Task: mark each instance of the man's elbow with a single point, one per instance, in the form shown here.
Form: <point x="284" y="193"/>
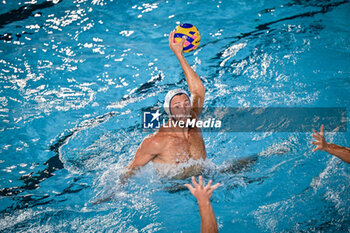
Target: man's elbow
<point x="199" y="91"/>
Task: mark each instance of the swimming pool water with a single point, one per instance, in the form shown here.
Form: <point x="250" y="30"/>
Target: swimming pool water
<point x="75" y="75"/>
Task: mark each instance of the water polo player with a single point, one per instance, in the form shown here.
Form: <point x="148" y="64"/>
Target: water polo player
<point x="176" y="145"/>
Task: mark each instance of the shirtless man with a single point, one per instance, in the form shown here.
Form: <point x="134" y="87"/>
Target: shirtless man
<point x="175" y="144"/>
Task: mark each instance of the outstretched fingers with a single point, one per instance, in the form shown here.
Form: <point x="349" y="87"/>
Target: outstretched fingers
<point x="200" y="179"/>
<point x="190" y="188"/>
<point x="212" y="188"/>
<point x="194" y="182"/>
<point x="208" y="185"/>
<point x="317" y="133"/>
<point x="322" y="130"/>
<point x="215" y="186"/>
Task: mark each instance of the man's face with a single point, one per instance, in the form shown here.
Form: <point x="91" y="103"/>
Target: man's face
<point x="180" y="107"/>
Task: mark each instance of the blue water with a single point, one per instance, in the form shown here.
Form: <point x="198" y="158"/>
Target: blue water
<point x="75" y="75"/>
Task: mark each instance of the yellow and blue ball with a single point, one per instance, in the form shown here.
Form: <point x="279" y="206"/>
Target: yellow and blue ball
<point x="193" y="38"/>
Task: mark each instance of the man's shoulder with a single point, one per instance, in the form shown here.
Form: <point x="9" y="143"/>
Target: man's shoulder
<point x="156" y="139"/>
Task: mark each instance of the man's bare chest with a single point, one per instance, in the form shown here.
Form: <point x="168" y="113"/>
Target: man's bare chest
<point x="178" y="150"/>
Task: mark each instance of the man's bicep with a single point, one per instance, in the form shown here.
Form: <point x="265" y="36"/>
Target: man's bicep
<point x="145" y="153"/>
<point x="141" y="158"/>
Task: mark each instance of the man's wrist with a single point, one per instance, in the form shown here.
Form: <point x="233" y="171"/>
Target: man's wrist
<point x="203" y="203"/>
<point x="326" y="146"/>
<point x="179" y="55"/>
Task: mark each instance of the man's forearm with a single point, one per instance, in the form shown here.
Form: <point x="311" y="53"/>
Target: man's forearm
<point x="208" y="220"/>
<point x="341" y="152"/>
<point x="130" y="171"/>
<point x="194" y="82"/>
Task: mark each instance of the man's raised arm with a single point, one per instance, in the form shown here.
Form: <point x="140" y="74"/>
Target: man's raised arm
<point x="203" y="194"/>
<point x="195" y="84"/>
